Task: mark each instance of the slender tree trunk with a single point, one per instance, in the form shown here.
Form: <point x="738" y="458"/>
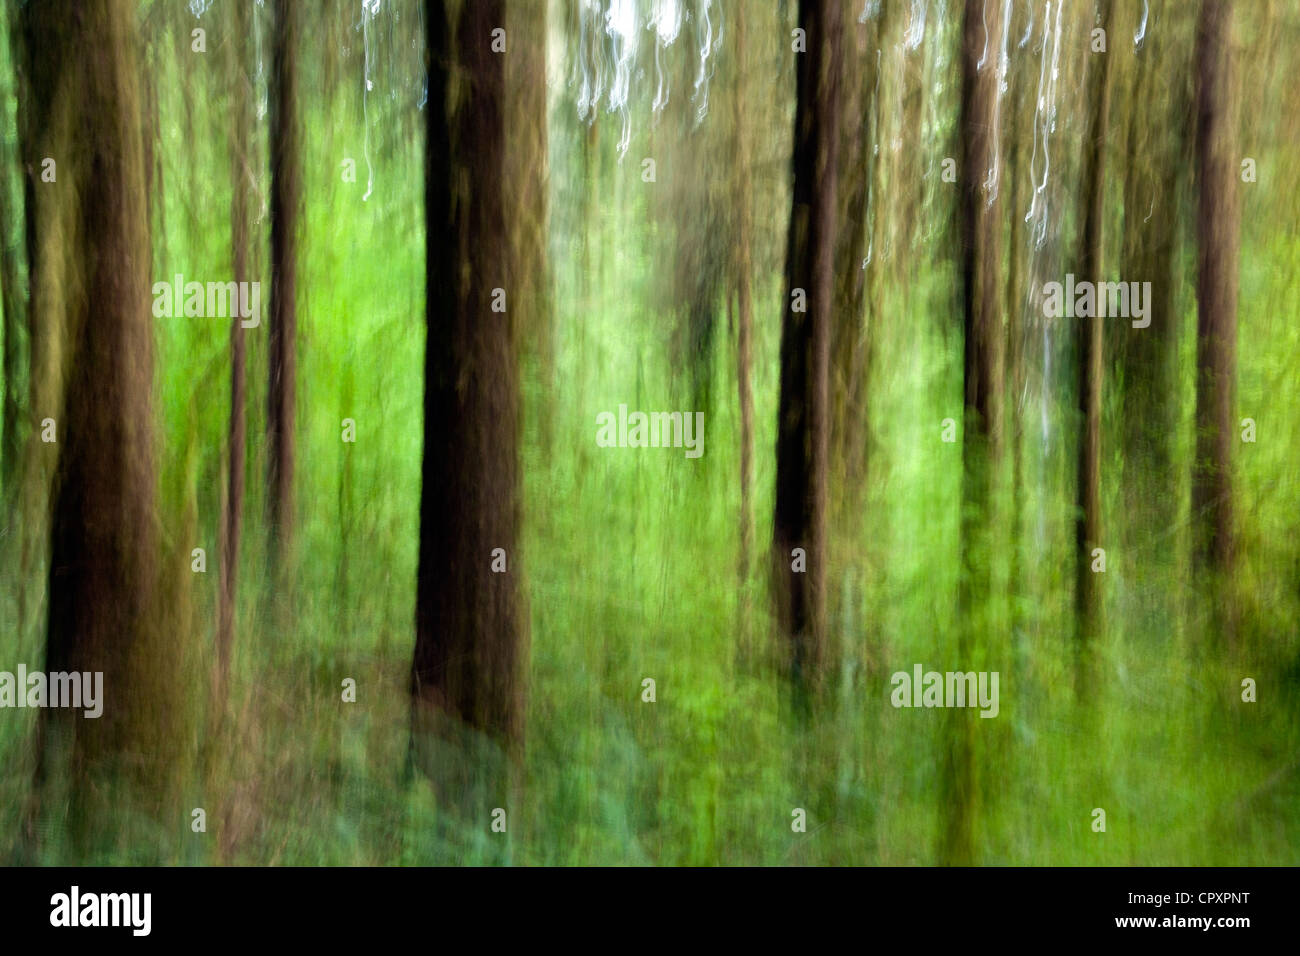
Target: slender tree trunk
<point x="1019" y="179"/>
<point x="286" y="185"/>
<point x="852" y="188"/>
<point x="980" y="237"/>
<point x="1218" y="215"/>
<point x="471" y="635"/>
<point x="1088" y="333"/>
<point x="979" y="228"/>
<point x="241" y="122"/>
<point x="803" y="426"/>
<point x="867" y="308"/>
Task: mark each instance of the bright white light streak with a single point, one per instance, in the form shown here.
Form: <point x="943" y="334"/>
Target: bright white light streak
<point x="984" y="20"/>
<point x="702" y="79"/>
<point x="915" y="26"/>
<point x="620" y="24"/>
<point x="1029" y="29"/>
<point x="666" y="22"/>
<point x="368" y="10"/>
<point x="1004" y="62"/>
<point x="424" y="70"/>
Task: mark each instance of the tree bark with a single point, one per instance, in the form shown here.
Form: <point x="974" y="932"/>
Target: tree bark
<point x="471" y="635"/>
<point x="1218" y="217"/>
<point x="979" y="229"/>
<point x="241" y="121"/>
<point x="1088" y="344"/>
<point x="1018" y="177"/>
<point x="286" y="186"/>
<point x="90" y="295"/>
<point x="803" y="426"/>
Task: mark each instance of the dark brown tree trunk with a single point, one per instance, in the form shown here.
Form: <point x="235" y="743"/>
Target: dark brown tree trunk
<point x="470" y="627"/>
<point x="852" y="181"/>
<point x="1019" y="181"/>
<point x="241" y="121"/>
<point x="1217" y="226"/>
<point x="91" y="294"/>
<point x="1088" y="343"/>
<point x="979" y="228"/>
<point x="980" y="238"/>
<point x="286" y="186"/>
<point x="803" y="425"/>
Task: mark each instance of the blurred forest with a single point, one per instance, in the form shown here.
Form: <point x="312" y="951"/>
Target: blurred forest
<point x="366" y="589"/>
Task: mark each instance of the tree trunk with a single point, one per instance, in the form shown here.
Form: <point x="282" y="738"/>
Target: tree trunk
<point x="286" y="185"/>
<point x="471" y="636"/>
<point x="241" y="121"/>
<point x="1019" y="179"/>
<point x="859" y="184"/>
<point x="803" y="425"/>
<point x="1217" y="225"/>
<point x="1218" y="215"/>
<point x="1088" y="332"/>
<point x="90" y="294"/>
<point x="979" y="229"/>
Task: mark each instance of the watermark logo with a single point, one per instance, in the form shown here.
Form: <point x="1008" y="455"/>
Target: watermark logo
<point x="213" y="300"/>
<point x="1086" y="300"/>
<point x="924" y="688"/>
<point x="59" y="689"/>
<point x="103" y="909"/>
<point x="652" y="430"/>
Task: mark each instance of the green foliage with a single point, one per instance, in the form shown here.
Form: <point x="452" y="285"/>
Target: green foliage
<point x="630" y="557"/>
